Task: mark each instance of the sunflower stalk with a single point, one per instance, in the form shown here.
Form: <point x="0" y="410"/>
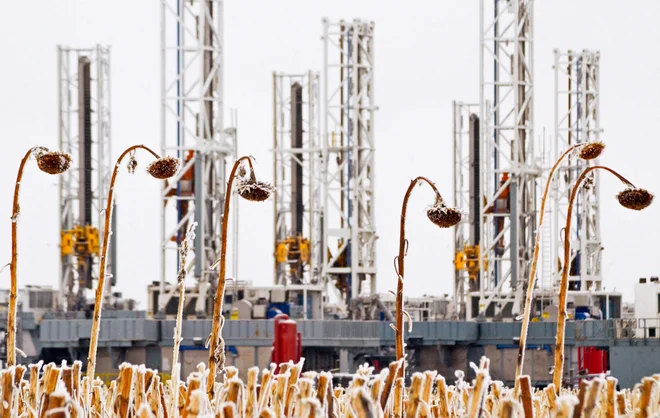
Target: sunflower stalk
<point x="161" y="168"/>
<point x="50" y="162"/>
<point x="632" y="198"/>
<point x="250" y="190"/>
<point x="440" y="215"/>
<point x="181" y="280"/>
<point x="587" y="151"/>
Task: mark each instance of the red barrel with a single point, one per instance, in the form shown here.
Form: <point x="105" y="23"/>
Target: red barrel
<point x="287" y="345"/>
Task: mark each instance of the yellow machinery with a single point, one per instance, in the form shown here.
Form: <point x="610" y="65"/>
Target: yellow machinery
<point x="468" y="259"/>
<point x="81" y="241"/>
<point x="294" y="251"/>
<point x="292" y="248"/>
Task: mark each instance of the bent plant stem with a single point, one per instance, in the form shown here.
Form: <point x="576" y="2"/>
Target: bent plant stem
<point x="190" y="236"/>
<point x="100" y="286"/>
<point x="218" y="319"/>
<point x="399" y="290"/>
<point x="532" y="276"/>
<point x="13" y="291"/>
<point x="563" y="287"/>
<point x="181" y="278"/>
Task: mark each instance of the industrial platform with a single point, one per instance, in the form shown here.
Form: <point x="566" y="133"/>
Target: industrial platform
<point x="342" y="345"/>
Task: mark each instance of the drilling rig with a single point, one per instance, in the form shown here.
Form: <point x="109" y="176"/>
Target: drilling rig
<point x="498" y="167"/>
<point x="577" y="120"/>
<point x="349" y="225"/>
<point x="466" y="137"/>
<point x="325" y="230"/>
<point x="505" y="189"/>
<point x="298" y="178"/>
<point x="84" y="133"/>
<point x="193" y="129"/>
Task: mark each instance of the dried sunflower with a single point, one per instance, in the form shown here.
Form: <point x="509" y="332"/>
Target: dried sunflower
<point x="592" y="150"/>
<point x="442" y="215"/>
<point x="634" y="198"/>
<point x="163" y="168"/>
<point x="256" y="191"/>
<point x="53" y="162"/>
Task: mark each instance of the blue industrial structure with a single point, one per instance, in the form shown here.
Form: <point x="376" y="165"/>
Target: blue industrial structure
<point x="454" y="343"/>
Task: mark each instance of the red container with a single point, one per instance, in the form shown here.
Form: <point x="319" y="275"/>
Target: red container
<point x="592" y="360"/>
<point x="288" y="343"/>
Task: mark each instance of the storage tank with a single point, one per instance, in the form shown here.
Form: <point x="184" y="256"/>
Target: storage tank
<point x="287" y="345"/>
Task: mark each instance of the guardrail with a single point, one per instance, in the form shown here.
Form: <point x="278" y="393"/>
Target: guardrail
<point x="639" y="328"/>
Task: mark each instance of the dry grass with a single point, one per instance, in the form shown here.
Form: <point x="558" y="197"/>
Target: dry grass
<point x="139" y="392"/>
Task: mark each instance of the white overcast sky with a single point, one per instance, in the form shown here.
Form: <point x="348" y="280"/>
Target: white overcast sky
<point x="426" y="56"/>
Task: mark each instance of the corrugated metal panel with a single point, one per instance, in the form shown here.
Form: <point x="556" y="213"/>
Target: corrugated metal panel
<point x="449" y="331"/>
<point x="592" y="329"/>
<point x="110" y="330"/>
<point x="58" y="331"/>
<point x="498" y="331"/>
<point x="323" y="333"/>
<point x="251" y="332"/>
<point x="539" y="331"/>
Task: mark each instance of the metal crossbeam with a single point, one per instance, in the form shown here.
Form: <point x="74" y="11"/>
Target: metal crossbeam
<point x="463" y="195"/>
<point x="577" y="120"/>
<point x="97" y="60"/>
<point x="298" y="167"/>
<point x="509" y="172"/>
<point x="349" y="227"/>
<point x="193" y="129"/>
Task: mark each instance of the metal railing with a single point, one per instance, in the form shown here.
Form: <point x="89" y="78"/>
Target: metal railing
<point x="638" y="328"/>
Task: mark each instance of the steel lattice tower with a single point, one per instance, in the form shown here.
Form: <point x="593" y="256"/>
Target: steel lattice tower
<point x="349" y="227"/>
<point x="84" y="133"/>
<point x="192" y="128"/>
<point x="508" y="170"/>
<point x="577" y="120"/>
<point x="298" y="177"/>
<point x="466" y="179"/>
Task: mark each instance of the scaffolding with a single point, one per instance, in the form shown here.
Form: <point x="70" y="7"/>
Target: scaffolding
<point x="349" y="227"/>
<point x="509" y="172"/>
<point x="577" y="120"/>
<point x="466" y="179"/>
<point x="298" y="177"/>
<point x="84" y="133"/>
<point x="193" y="129"/>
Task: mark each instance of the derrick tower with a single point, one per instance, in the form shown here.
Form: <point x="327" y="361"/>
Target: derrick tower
<point x="193" y="129"/>
<point x="577" y="120"/>
<point x="466" y="138"/>
<point x="494" y="152"/>
<point x="298" y="178"/>
<point x="509" y="173"/>
<point x="84" y="133"/>
<point x="348" y="107"/>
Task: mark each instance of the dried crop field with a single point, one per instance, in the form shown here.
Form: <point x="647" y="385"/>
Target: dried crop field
<point x="287" y="391"/>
